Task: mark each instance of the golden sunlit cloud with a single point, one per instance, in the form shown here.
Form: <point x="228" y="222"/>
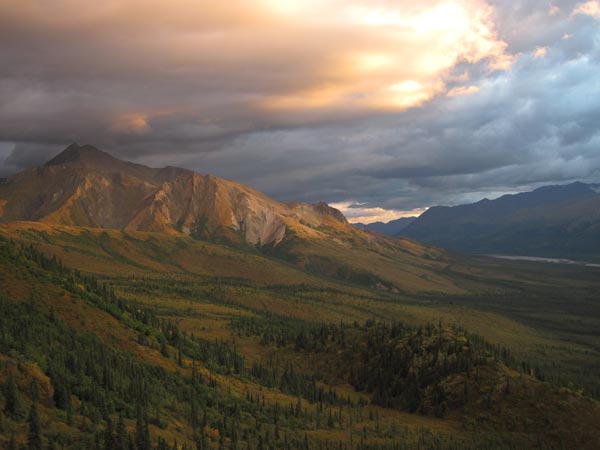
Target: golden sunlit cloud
<point x="540" y="52"/>
<point x="277" y="56"/>
<point x="462" y="90"/>
<point x="359" y="214"/>
<point x="136" y="124"/>
<point x="404" y="55"/>
<point x="591" y="8"/>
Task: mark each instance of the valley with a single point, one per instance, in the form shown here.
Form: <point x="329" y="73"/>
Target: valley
<point x="545" y="260"/>
<point x="256" y="304"/>
<point x="227" y="320"/>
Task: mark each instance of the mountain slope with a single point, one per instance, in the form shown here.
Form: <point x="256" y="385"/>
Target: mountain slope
<point x="391" y="228"/>
<point x="550" y="221"/>
<point x="84" y="186"/>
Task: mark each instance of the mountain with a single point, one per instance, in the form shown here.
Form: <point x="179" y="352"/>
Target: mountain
<point x="552" y="221"/>
<point x="134" y="313"/>
<point x="84" y="186"/>
<point x="391" y="228"/>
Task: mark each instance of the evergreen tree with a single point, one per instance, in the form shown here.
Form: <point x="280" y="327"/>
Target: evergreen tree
<point x="131" y="444"/>
<point x="12" y="406"/>
<point x="109" y="437"/>
<point x="35" y="391"/>
<point x="12" y="444"/>
<point x="121" y="434"/>
<point x="34" y="435"/>
<point x="142" y="433"/>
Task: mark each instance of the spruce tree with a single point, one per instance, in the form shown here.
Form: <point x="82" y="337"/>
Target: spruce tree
<point x="121" y="434"/>
<point x="12" y="406"/>
<point x="12" y="444"/>
<point x="109" y="437"/>
<point x="34" y="436"/>
<point x="142" y="433"/>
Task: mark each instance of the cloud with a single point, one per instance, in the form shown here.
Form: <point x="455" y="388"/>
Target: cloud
<point x="462" y="90"/>
<point x="553" y="10"/>
<point x="131" y="124"/>
<point x="358" y="213"/>
<point x="591" y="8"/>
<point x="280" y="61"/>
<point x="540" y="52"/>
<point x="14" y="157"/>
<point x="433" y="36"/>
<point x="393" y="106"/>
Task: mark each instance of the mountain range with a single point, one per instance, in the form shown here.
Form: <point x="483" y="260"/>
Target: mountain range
<point x="551" y="221"/>
<point x="87" y="187"/>
<point x="391" y="228"/>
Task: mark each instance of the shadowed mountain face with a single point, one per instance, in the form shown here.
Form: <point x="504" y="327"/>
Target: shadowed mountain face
<point x="391" y="228"/>
<point x="84" y="186"/>
<point x="550" y="221"/>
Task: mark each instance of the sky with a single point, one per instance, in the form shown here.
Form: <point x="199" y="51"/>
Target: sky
<point x="382" y="108"/>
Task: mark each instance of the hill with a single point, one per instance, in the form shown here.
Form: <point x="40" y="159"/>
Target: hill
<point x="552" y="221"/>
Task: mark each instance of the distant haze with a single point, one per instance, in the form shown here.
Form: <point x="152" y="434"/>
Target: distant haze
<point x="381" y="108"/>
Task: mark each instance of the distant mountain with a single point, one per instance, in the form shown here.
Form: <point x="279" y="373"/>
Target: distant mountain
<point x="550" y="221"/>
<point x="392" y="228"/>
<point x="84" y="186"/>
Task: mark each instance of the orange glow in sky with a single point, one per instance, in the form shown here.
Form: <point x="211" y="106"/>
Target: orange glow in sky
<point x="355" y="55"/>
<point x="397" y="55"/>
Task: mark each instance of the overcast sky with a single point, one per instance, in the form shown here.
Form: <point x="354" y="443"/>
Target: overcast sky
<point x="382" y="108"/>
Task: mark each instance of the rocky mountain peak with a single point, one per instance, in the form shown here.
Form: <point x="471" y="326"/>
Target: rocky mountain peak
<point x="325" y="209"/>
<point x="81" y="154"/>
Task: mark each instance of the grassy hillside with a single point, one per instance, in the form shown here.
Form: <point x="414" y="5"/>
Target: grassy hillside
<point x="219" y="347"/>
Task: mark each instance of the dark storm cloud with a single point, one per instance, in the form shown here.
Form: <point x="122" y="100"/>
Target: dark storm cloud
<point x="22" y="155"/>
<point x="265" y="99"/>
<point x="537" y="124"/>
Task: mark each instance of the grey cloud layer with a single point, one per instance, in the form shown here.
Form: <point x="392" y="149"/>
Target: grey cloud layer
<point x="535" y="124"/>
